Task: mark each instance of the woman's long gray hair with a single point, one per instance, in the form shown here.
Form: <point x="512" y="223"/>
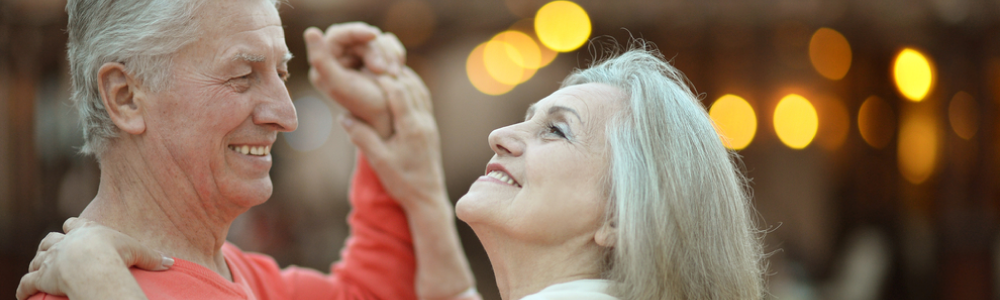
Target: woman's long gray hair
<point x="678" y="199"/>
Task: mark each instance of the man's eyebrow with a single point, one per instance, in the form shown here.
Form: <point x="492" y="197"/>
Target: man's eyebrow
<point x="250" y="57"/>
<point x="288" y="56"/>
<point x="555" y="109"/>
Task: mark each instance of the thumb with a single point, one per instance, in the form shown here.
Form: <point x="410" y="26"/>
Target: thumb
<point x="144" y="258"/>
<point x="364" y="137"/>
<point x="73" y="223"/>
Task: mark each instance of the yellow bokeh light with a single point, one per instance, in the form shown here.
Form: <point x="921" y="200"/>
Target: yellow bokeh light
<point x="523" y="51"/>
<point x="735" y="120"/>
<point x="963" y="114"/>
<point x="876" y="122"/>
<point x="830" y="53"/>
<point x="914" y="74"/>
<point x="527" y="26"/>
<point x="475" y="68"/>
<point x="795" y="121"/>
<point x="503" y="62"/>
<point x="917" y="147"/>
<point x="562" y="26"/>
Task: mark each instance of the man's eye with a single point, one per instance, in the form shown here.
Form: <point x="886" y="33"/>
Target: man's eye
<point x="242" y="83"/>
<point x="284" y="75"/>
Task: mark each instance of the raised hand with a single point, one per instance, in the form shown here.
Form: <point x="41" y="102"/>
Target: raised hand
<point x="409" y="165"/>
<point x="344" y="62"/>
<point x="87" y="257"/>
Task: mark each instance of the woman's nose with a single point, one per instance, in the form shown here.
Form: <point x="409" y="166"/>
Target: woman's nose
<point x="507" y="141"/>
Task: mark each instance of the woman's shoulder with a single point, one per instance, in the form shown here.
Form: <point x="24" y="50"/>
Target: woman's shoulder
<point x="584" y="289"/>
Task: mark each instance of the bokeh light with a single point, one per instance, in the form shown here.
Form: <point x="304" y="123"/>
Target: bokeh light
<point x="523" y="51"/>
<point x="527" y="26"/>
<point x="876" y="122"/>
<point x="836" y="122"/>
<point x="917" y="146"/>
<point x="562" y="26"/>
<point x="315" y="124"/>
<point x="412" y="21"/>
<point x="475" y="69"/>
<point x="963" y="114"/>
<point x="795" y="121"/>
<point x="914" y="74"/>
<point x="830" y="53"/>
<point x="735" y="120"/>
<point x="503" y="62"/>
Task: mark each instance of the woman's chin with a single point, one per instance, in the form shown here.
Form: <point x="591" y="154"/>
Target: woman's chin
<point x="474" y="207"/>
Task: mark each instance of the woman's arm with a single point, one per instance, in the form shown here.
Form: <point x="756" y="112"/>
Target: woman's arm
<point x="89" y="262"/>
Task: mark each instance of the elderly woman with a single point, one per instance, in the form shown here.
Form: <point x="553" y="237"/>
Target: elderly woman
<point x="616" y="186"/>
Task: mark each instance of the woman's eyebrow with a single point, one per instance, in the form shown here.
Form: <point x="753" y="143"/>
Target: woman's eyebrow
<point x="554" y="109"/>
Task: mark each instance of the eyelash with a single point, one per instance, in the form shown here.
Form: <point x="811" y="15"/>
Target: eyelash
<point x="556" y="130"/>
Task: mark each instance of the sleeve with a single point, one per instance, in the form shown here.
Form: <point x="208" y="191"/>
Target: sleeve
<point x="377" y="261"/>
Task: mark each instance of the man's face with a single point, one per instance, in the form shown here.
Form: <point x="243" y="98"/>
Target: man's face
<point x="227" y="95"/>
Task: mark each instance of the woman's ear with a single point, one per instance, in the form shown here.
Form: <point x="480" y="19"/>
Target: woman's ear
<point x="607" y="235"/>
<point x="120" y="94"/>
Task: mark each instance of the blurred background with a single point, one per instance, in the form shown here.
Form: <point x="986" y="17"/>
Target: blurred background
<point x="869" y="128"/>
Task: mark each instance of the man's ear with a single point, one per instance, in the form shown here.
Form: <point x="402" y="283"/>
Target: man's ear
<point x="607" y="235"/>
<point x="121" y="97"/>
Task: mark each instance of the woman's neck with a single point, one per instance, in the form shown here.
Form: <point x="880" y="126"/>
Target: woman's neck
<point x="523" y="268"/>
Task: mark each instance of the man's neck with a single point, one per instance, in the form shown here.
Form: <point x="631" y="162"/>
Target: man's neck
<point x="523" y="269"/>
<point x="163" y="214"/>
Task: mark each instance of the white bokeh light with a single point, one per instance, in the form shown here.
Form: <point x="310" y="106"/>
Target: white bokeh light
<point x="315" y="124"/>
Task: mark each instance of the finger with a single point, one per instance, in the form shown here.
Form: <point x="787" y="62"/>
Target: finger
<point x="397" y="50"/>
<point x="27" y="286"/>
<point x="36" y="262"/>
<point x="352" y="40"/>
<point x="73" y="223"/>
<point x="365" y="138"/>
<point x="351" y="34"/>
<point x="319" y="54"/>
<point x="136" y="254"/>
<point x="50" y="239"/>
<point x="420" y="95"/>
<point x="390" y="50"/>
<point x="395" y="95"/>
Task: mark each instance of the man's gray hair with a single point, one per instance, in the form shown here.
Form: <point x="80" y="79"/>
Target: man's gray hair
<point x="143" y="35"/>
<point x="678" y="199"/>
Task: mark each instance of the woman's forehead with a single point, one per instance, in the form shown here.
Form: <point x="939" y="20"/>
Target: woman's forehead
<point x="589" y="99"/>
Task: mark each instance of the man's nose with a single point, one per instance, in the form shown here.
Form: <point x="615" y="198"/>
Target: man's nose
<point x="507" y="141"/>
<point x="275" y="108"/>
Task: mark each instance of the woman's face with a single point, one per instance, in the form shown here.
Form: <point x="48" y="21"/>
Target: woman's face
<point x="544" y="185"/>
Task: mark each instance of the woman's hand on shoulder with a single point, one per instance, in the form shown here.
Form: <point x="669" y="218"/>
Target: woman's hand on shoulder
<point x="90" y="261"/>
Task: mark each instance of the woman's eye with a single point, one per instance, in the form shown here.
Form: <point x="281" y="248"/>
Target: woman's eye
<point x="555" y="130"/>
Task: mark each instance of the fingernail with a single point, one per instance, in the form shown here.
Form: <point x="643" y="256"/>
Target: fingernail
<point x="166" y="263"/>
<point x="348" y="122"/>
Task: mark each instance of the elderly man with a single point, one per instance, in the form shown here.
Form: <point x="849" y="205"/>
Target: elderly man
<point x="181" y="102"/>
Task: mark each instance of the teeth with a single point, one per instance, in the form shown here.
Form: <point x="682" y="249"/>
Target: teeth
<point x="503" y="177"/>
<point x="252" y="150"/>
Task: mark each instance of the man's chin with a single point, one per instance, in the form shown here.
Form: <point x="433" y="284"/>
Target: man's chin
<point x="248" y="193"/>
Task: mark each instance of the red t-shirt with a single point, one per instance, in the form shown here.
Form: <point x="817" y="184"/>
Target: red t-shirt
<point x="377" y="261"/>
